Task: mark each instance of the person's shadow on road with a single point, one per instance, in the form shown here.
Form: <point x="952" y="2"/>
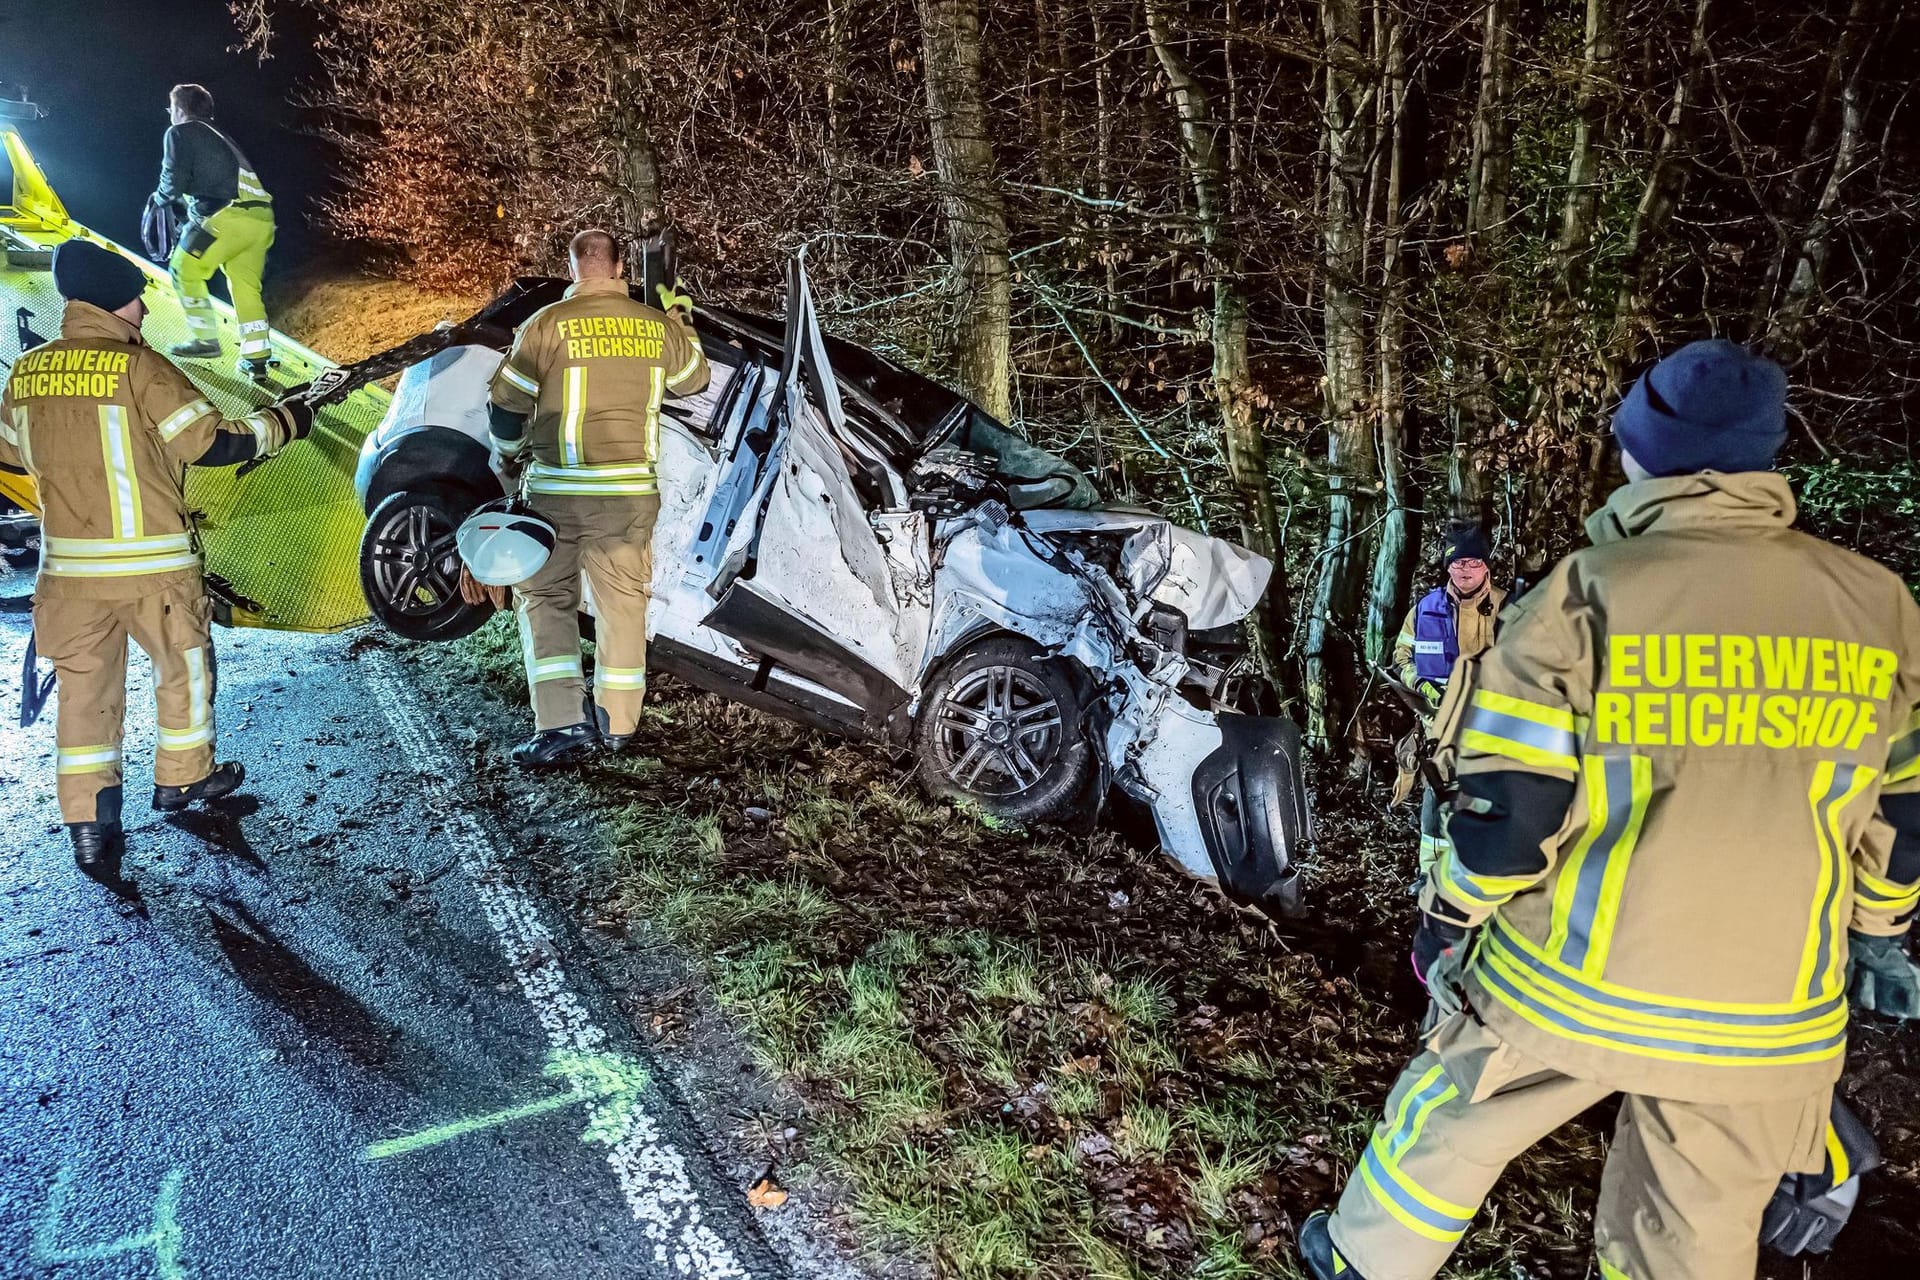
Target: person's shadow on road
<point x="272" y="971"/>
<point x="218" y="826"/>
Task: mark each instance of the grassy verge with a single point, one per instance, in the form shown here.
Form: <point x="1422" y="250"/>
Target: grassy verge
<point x="1030" y="1054"/>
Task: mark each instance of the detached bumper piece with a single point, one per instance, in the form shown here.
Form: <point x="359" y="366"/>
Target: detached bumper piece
<point x="1251" y="801"/>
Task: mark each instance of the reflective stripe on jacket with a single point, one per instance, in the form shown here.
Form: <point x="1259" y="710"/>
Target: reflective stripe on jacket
<point x="107" y="427"/>
<point x="1729" y="700"/>
<point x="589" y="374"/>
<point x="205" y="167"/>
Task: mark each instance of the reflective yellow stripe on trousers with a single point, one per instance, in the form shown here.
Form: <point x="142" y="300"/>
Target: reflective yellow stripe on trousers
<point x="1410" y="1204"/>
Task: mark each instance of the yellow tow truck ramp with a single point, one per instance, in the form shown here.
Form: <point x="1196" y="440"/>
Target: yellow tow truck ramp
<point x="281" y="540"/>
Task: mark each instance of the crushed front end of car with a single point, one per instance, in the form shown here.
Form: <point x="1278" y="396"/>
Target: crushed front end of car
<point x="1142" y="606"/>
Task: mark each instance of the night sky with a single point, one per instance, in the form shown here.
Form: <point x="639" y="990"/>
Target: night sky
<point x="101" y="70"/>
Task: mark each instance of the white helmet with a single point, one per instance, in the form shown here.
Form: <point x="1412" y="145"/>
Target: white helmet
<point x="504" y="543"/>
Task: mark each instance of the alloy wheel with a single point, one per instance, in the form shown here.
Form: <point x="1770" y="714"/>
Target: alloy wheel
<point x="416" y="564"/>
<point x="998" y="731"/>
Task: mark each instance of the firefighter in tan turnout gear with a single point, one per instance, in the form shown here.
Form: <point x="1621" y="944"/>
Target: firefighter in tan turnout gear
<point x="107" y="427"/>
<point x="1689" y="822"/>
<point x="577" y="403"/>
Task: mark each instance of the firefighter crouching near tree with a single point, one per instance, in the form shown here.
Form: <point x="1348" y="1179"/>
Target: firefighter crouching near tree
<point x="1689" y="814"/>
<point x="577" y="401"/>
<point x="229" y="228"/>
<point x="1450" y="622"/>
<point x="107" y="427"/>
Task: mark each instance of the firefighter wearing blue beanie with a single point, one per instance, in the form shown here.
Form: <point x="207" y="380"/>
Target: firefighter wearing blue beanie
<point x="1686" y="840"/>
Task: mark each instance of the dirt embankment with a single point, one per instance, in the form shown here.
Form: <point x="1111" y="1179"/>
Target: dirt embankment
<point x="347" y="315"/>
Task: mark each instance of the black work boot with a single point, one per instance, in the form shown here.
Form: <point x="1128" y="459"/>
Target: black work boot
<point x="551" y="747"/>
<point x="258" y="370"/>
<point x="224" y="780"/>
<point x="613" y="742"/>
<point x="198" y="349"/>
<point x="1317" y="1254"/>
<point x="96" y="847"/>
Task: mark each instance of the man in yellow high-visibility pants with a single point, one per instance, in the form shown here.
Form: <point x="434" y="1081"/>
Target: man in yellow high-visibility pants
<point x="229" y="228"/>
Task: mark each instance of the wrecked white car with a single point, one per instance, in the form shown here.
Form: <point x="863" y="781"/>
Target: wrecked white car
<point x="847" y="543"/>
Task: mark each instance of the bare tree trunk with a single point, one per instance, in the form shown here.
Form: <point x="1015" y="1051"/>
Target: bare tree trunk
<point x="1786" y="332"/>
<point x="1233" y="388"/>
<point x="970" y="200"/>
<point x="1393" y="555"/>
<point x="639" y="162"/>
<point x="1350" y="460"/>
<point x="1469" y="395"/>
<point x="1659" y="193"/>
<point x="1842" y="68"/>
<point x="1103" y="168"/>
<point x="1583" y="166"/>
<point x="1492" y="163"/>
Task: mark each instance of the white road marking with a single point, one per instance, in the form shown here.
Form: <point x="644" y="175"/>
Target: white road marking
<point x="652" y="1174"/>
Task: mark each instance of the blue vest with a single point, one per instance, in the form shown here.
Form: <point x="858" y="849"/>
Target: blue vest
<point x="1436" y="637"/>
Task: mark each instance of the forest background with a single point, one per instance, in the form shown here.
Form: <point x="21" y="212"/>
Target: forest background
<point x="1323" y="276"/>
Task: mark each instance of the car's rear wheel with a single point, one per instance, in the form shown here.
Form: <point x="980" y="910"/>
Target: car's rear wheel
<point x="410" y="567"/>
<point x="1000" y="726"/>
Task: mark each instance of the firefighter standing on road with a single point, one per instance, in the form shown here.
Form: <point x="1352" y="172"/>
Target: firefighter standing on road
<point x="1452" y="621"/>
<point x="577" y="400"/>
<point x="1689" y="822"/>
<point x="229" y="228"/>
<point x="107" y="427"/>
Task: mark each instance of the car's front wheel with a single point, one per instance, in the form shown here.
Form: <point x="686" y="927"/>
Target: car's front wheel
<point x="1000" y="726"/>
<point x="410" y="567"/>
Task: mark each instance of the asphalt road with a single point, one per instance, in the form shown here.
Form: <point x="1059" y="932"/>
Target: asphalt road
<point x="338" y="1037"/>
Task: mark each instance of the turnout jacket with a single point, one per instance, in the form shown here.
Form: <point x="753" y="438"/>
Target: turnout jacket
<point x="107" y="427"/>
<point x="203" y="166"/>
<point x="581" y="390"/>
<point x="1688" y="766"/>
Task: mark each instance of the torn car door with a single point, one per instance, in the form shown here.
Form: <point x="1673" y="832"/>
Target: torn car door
<point x="805" y="580"/>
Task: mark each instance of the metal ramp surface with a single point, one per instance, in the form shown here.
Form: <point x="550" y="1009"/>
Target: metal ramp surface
<point x="282" y="538"/>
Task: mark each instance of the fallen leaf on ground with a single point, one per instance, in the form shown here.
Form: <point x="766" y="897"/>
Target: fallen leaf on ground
<point x="766" y="1194"/>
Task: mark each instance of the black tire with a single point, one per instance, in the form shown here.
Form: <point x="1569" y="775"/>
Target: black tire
<point x="409" y="569"/>
<point x="1000" y="727"/>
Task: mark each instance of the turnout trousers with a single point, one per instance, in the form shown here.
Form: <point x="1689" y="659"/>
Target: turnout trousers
<point x="1681" y="1197"/>
<point x="86" y="640"/>
<point x="235" y="240"/>
<point x="610" y="539"/>
<point x="1433" y="827"/>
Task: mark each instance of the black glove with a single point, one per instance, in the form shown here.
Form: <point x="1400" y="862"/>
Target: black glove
<point x="297" y="412"/>
<point x="1440" y="961"/>
<point x="1880" y="978"/>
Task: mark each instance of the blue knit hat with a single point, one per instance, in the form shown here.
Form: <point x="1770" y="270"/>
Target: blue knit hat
<point x="1710" y="406"/>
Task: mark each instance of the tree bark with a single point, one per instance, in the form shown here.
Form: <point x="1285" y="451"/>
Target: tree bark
<point x="1235" y="395"/>
<point x="639" y="162"/>
<point x="1393" y="554"/>
<point x="1786" y="332"/>
<point x="975" y="213"/>
<point x="1350" y="453"/>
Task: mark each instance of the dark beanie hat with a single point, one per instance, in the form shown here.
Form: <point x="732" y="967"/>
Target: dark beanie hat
<point x="1710" y="406"/>
<point x="1465" y="542"/>
<point x="84" y="272"/>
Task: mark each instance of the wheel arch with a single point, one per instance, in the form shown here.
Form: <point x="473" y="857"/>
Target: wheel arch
<point x="429" y="458"/>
